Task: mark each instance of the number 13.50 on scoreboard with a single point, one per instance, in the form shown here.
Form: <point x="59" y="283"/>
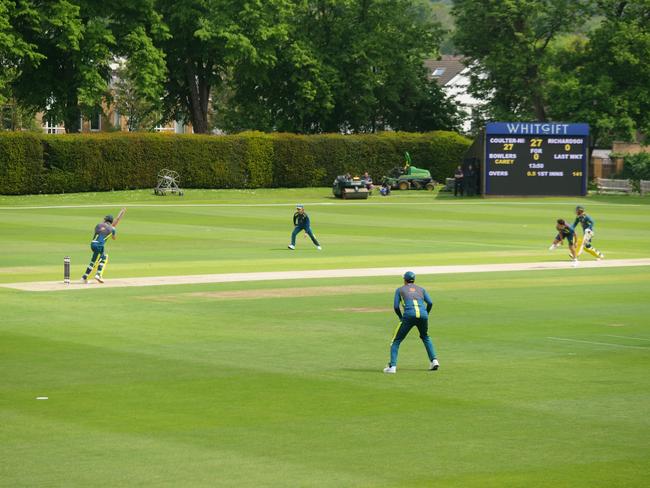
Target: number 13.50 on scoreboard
<point x="532" y="158"/>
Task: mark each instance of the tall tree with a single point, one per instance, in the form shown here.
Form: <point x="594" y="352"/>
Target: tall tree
<point x="511" y="41"/>
<point x="347" y="65"/>
<point x="137" y="89"/>
<point x="78" y="40"/>
<point x="211" y="38"/>
<point x="74" y="71"/>
<point x="15" y="50"/>
<point x="604" y="79"/>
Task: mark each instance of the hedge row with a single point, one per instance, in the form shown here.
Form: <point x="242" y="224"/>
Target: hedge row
<point x="34" y="163"/>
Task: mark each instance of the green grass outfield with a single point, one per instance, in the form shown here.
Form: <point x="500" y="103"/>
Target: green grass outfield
<point x="240" y="231"/>
<point x="544" y="377"/>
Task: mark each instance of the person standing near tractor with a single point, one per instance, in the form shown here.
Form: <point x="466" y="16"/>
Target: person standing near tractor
<point x="458" y="181"/>
<point x="470" y="181"/>
<point x="301" y="222"/>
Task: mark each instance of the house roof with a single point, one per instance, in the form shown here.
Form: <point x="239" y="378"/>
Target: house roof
<point x="601" y="153"/>
<point x="445" y="68"/>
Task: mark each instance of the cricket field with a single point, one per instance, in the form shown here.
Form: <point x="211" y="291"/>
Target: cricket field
<point x="544" y="377"/>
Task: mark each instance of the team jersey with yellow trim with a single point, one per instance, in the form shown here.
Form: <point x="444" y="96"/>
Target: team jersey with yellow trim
<point x="414" y="299"/>
<point x="102" y="231"/>
<point x="585" y="221"/>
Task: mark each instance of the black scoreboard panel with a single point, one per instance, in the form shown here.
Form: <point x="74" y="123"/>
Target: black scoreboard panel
<point x="523" y="158"/>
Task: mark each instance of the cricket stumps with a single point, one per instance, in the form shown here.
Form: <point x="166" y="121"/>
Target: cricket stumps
<point x="66" y="270"/>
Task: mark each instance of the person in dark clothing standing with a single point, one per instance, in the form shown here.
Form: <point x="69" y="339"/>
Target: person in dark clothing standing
<point x="458" y="181"/>
<point x="469" y="181"/>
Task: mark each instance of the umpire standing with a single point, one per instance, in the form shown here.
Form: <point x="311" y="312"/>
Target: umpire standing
<point x="416" y="314"/>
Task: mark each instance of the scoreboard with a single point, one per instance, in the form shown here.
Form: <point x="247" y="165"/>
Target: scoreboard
<point x="535" y="158"/>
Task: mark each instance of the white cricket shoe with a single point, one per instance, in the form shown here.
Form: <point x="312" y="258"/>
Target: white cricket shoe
<point x="83" y="281"/>
<point x="99" y="278"/>
<point x="291" y="246"/>
<point x="319" y="248"/>
<point x="390" y="369"/>
<point x="434" y="365"/>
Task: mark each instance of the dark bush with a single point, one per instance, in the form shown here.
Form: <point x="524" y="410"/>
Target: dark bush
<point x="636" y="166"/>
<point x="21" y="163"/>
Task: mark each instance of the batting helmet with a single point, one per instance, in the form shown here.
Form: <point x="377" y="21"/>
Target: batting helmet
<point x="580" y="208"/>
<point x="109" y="219"/>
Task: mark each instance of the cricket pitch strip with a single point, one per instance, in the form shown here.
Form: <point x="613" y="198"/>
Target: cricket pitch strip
<point x="320" y="273"/>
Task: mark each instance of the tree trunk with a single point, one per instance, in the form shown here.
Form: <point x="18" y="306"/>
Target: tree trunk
<point x="72" y="114"/>
<point x="538" y="105"/>
<point x="199" y="96"/>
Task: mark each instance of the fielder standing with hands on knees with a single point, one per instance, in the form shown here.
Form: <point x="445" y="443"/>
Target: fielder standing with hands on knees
<point x="416" y="314"/>
<point x="301" y="222"/>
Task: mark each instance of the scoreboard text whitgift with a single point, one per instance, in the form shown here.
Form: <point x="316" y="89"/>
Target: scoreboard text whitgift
<point x="533" y="158"/>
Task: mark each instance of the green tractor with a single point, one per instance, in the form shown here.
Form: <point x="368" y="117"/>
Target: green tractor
<point x="350" y="188"/>
<point x="409" y="177"/>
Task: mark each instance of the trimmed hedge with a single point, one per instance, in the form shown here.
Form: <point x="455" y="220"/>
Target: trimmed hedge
<point x="34" y="163"/>
<point x="21" y="162"/>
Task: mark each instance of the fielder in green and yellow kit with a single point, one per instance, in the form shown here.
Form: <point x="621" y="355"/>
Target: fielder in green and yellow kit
<point x="417" y="304"/>
<point x="99" y="259"/>
<point x="587" y="224"/>
<point x="565" y="231"/>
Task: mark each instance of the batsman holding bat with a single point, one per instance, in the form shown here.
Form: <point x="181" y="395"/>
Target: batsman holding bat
<point x="99" y="258"/>
<point x="587" y="224"/>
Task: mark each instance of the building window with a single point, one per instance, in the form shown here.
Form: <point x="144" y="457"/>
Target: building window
<point x="438" y="72"/>
<point x="96" y="121"/>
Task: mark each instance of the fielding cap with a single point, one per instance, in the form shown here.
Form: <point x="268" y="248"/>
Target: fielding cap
<point x="409" y="276"/>
<point x="108" y="218"/>
<point x="300" y="205"/>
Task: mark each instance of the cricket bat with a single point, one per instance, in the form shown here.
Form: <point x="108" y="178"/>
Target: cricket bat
<point x="582" y="245"/>
<point x="585" y="240"/>
<point x="119" y="217"/>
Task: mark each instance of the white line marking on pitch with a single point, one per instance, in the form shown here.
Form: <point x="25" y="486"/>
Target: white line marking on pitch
<point x="320" y="273"/>
<point x="628" y="337"/>
<point x="599" y="343"/>
<point x="312" y="204"/>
